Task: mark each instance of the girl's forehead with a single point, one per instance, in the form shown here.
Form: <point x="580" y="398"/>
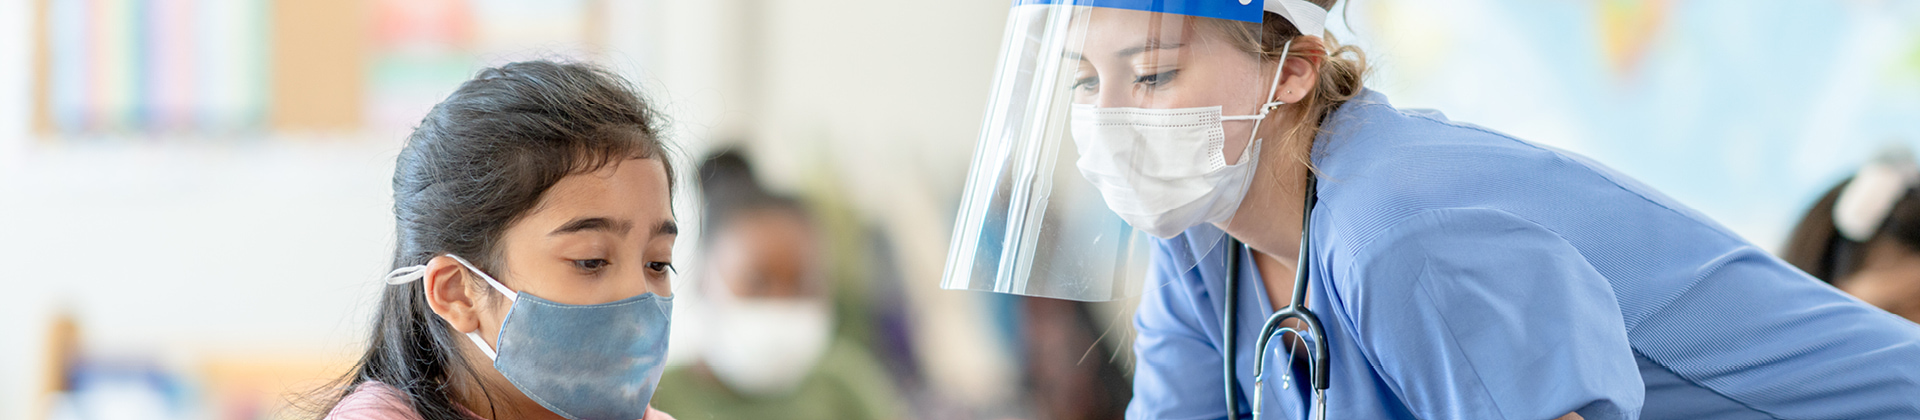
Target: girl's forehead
<point x="633" y="190"/>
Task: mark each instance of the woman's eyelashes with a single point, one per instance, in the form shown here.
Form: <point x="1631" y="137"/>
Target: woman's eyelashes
<point x="1087" y="84"/>
<point x="1091" y="84"/>
<point x="1156" y="79"/>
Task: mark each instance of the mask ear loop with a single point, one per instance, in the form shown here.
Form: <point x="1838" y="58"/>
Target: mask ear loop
<point x="409" y="274"/>
<point x="1285" y="50"/>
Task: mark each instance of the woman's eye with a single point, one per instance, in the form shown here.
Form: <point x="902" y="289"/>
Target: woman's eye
<point x="1087" y="84"/>
<point x="1156" y="79"/>
<point x="660" y="267"/>
<point x="591" y="265"/>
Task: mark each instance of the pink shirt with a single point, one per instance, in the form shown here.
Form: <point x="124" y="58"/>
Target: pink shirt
<point x="378" y="401"/>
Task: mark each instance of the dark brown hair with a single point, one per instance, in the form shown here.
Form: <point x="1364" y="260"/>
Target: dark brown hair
<point x="1818" y="248"/>
<point x="478" y="162"/>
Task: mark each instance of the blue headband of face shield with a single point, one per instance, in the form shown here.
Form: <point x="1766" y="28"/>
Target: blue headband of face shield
<point x="1308" y="17"/>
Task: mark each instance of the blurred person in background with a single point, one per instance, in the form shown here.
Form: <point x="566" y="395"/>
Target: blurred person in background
<point x="1073" y="369"/>
<point x="771" y="349"/>
<point x="532" y="272"/>
<point x="1863" y="236"/>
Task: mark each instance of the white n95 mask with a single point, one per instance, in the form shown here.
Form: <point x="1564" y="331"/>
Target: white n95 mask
<point x="765" y="347"/>
<point x="1164" y="170"/>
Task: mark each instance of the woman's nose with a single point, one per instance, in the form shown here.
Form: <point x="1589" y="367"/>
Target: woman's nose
<point x="1111" y="96"/>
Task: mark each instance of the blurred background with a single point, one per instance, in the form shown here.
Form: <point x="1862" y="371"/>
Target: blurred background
<point x="195" y="211"/>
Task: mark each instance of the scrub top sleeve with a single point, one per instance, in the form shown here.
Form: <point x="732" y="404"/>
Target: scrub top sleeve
<point x="1177" y="369"/>
<point x="1479" y="314"/>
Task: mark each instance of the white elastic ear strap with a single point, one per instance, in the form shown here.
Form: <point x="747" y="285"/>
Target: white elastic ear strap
<point x="511" y="295"/>
<point x="404" y="275"/>
<point x="482" y="344"/>
<point x="409" y="274"/>
<point x="1272" y="88"/>
<point x="1308" y="17"/>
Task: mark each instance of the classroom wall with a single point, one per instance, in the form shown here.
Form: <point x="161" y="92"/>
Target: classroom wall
<point x="185" y="249"/>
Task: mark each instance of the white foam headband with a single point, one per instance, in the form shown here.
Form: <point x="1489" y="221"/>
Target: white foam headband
<point x="1308" y="17"/>
<point x="1867" y="200"/>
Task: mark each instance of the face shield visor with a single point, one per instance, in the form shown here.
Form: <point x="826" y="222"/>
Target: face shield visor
<point x="1109" y="121"/>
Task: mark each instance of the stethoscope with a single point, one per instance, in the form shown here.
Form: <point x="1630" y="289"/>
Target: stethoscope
<point x="1296" y="309"/>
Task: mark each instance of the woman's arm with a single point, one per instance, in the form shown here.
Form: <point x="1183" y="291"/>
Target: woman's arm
<point x="1177" y="373"/>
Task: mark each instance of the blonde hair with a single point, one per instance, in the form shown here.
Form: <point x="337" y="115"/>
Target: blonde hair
<point x="1341" y="69"/>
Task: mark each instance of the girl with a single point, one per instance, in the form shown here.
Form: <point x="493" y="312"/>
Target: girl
<point x="531" y="274"/>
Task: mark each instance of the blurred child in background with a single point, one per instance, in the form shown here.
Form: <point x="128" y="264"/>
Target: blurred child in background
<point x="1863" y="236"/>
<point x="771" y="349"/>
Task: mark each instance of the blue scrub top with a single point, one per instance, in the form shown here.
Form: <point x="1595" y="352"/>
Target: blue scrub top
<point x="1464" y="274"/>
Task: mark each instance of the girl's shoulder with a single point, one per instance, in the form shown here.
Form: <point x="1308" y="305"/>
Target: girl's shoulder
<point x="374" y="400"/>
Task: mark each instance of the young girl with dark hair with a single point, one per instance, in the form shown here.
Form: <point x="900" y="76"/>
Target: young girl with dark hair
<point x="531" y="274"/>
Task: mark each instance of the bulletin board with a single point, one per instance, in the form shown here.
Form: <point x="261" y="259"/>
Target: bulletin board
<point x="242" y="68"/>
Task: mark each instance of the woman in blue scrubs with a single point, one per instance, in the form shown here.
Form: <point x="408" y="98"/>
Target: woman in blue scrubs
<point x="1457" y="272"/>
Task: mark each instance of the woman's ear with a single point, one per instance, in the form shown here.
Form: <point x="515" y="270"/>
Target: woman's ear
<point x="1299" y="75"/>
<point x="449" y="294"/>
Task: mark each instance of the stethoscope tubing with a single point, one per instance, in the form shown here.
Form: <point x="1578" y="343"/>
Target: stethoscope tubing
<point x="1296" y="309"/>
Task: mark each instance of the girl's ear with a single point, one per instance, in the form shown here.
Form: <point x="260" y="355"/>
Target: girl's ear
<point x="449" y="294"/>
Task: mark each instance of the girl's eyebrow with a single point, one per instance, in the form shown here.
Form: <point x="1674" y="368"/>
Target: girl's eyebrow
<point x="666" y="228"/>
<point x="602" y="224"/>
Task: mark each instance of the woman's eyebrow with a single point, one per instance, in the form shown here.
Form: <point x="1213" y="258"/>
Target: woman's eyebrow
<point x="666" y="228"/>
<point x="618" y="227"/>
<point x="1149" y="46"/>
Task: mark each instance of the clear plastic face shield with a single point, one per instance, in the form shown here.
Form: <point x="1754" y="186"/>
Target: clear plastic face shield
<point x="1112" y="120"/>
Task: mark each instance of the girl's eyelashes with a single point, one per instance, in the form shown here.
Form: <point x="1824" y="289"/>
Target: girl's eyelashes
<point x="660" y="267"/>
<point x="594" y="265"/>
<point x="591" y="265"/>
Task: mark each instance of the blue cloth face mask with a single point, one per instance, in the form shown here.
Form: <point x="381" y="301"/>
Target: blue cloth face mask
<point x="584" y="362"/>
